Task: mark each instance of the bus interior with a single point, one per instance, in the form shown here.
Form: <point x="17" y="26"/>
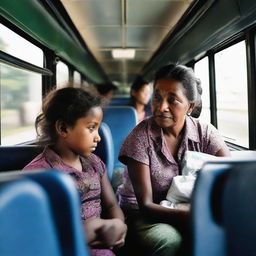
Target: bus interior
<point x="48" y="44"/>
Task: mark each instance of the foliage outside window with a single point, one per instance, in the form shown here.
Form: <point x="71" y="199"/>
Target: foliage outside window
<point x="20" y="104"/>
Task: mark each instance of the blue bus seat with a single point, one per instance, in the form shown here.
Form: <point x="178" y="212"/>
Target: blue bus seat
<point x="120" y="101"/>
<point x="105" y="148"/>
<point x="17" y="157"/>
<point x="65" y="206"/>
<point x="208" y="233"/>
<point x="121" y="120"/>
<point x="26" y="224"/>
<point x="238" y="210"/>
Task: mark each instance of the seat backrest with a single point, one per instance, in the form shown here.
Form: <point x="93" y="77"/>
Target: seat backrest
<point x="65" y="203"/>
<point x="121" y="120"/>
<point x="17" y="157"/>
<point x="26" y="224"/>
<point x="120" y="101"/>
<point x="208" y="232"/>
<point x="105" y="148"/>
<point x="238" y="210"/>
<point x="65" y="206"/>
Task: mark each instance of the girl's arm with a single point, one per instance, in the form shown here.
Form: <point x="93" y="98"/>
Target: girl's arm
<point x="110" y="206"/>
<point x="140" y="177"/>
<point x="109" y="232"/>
<point x="91" y="225"/>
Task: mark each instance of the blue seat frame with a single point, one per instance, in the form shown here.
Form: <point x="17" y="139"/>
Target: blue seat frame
<point x="64" y="204"/>
<point x="208" y="232"/>
<point x="121" y="120"/>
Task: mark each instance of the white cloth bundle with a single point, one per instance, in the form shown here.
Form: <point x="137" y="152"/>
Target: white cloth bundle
<point x="181" y="189"/>
<point x="182" y="185"/>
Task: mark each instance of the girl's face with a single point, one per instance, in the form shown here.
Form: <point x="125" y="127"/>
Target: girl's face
<point x="82" y="138"/>
<point x="142" y="96"/>
<point x="170" y="105"/>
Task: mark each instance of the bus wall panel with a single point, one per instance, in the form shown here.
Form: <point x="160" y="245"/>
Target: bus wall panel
<point x="37" y="22"/>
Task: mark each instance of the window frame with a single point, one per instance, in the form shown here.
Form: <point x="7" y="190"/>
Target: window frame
<point x="249" y="36"/>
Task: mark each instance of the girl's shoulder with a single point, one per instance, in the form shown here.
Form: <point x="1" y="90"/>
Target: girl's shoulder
<point x="94" y="162"/>
<point x="39" y="162"/>
<point x="94" y="159"/>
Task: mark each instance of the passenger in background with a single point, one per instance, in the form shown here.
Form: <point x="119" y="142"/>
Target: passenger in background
<point x="106" y="92"/>
<point x="140" y="95"/>
<point x="153" y="153"/>
<point x="68" y="127"/>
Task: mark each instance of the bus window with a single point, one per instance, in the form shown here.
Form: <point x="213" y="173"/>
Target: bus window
<point x="21" y="97"/>
<point x="77" y="79"/>
<point x="202" y="72"/>
<point x="62" y="75"/>
<point x="15" y="45"/>
<point x="231" y="94"/>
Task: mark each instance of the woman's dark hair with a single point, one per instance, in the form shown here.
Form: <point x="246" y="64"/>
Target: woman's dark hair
<point x="185" y="75"/>
<point x="198" y="104"/>
<point x="138" y="83"/>
<point x="65" y="104"/>
<point x="103" y="89"/>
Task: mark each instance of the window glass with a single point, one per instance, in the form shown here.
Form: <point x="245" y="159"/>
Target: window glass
<point x="21" y="97"/>
<point x="231" y="93"/>
<point x="62" y="75"/>
<point x="15" y="45"/>
<point x="77" y="79"/>
<point x="85" y="83"/>
<point x="202" y="71"/>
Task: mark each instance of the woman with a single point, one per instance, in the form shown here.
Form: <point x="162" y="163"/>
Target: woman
<point x="140" y="95"/>
<point x="153" y="152"/>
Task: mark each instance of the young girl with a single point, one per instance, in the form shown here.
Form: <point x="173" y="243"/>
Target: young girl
<point x="68" y="128"/>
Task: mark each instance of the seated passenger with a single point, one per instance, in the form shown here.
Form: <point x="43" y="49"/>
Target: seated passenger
<point x="153" y="152"/>
<point x="106" y="92"/>
<point x="68" y="127"/>
<point x="140" y="95"/>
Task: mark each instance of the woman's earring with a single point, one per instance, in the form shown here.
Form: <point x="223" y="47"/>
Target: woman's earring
<point x="188" y="114"/>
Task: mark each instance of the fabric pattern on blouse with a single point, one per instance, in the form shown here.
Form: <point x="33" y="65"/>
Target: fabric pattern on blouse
<point x="88" y="182"/>
<point x="146" y="144"/>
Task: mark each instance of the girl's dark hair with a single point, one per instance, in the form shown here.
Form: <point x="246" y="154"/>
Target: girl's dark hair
<point x="185" y="75"/>
<point x="65" y="104"/>
<point x="136" y="86"/>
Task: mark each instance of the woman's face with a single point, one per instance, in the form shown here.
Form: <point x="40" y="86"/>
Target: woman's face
<point x="170" y="105"/>
<point x="142" y="96"/>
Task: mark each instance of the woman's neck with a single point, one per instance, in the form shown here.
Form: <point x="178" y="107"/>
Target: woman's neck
<point x="139" y="107"/>
<point x="175" y="131"/>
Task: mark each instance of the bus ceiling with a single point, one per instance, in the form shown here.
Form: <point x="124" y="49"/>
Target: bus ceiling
<point x="90" y="34"/>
